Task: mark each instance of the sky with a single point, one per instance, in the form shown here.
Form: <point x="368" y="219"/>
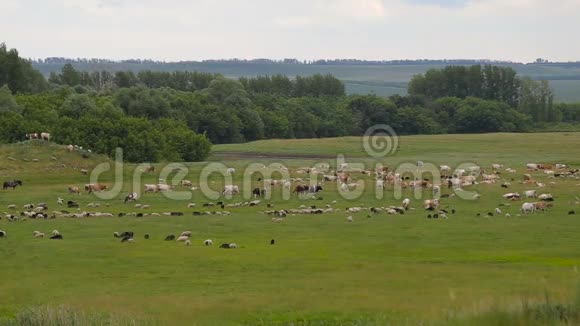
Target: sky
<point x="173" y="30"/>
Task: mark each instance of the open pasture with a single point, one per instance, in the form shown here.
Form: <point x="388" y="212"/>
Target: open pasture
<point x="322" y="270"/>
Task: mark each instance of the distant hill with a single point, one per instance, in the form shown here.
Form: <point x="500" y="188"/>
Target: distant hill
<point x="360" y="77"/>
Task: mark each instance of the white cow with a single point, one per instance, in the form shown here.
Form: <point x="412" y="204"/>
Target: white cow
<point x="530" y="193"/>
<point x="150" y="188"/>
<point x="528" y="208"/>
<point x="231" y="190"/>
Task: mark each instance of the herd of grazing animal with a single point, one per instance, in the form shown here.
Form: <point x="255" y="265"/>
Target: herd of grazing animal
<point x="535" y="199"/>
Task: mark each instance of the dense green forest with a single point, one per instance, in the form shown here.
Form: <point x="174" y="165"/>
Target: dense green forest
<point x="176" y="116"/>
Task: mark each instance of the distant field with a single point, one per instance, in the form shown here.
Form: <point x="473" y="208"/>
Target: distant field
<point x="359" y="79"/>
<point x="378" y="270"/>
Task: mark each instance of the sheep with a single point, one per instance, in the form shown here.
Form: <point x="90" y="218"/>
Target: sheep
<point x="186" y="234"/>
<point x="497" y="211"/>
<point x="12" y="206"/>
<point x="28" y="206"/>
<point x="60" y="201"/>
<point x="349" y="219"/>
<point x="35" y="232"/>
<point x="508" y="215"/>
<point x="146" y="236"/>
<point x="188" y="242"/>
<point x="190" y="205"/>
<point x="233" y="246"/>
<point x="116" y="235"/>
<point x="272" y="242"/>
<point x="277" y="219"/>
<point x="228" y="246"/>
<point x="55" y="232"/>
<point x="208" y="242"/>
<point x="2" y="234"/>
<point x="170" y="237"/>
<point x="56" y="237"/>
<point x="39" y="235"/>
<point x="406" y="203"/>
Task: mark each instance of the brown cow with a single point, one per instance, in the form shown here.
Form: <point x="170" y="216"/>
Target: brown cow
<point x="95" y="187"/>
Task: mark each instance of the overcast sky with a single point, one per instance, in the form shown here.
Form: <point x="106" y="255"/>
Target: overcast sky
<point x="518" y="30"/>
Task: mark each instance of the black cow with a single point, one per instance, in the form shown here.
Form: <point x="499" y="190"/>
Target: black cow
<point x="300" y="189"/>
<point x="257" y="192"/>
<point x="272" y="241"/>
<point x="170" y="237"/>
<point x="11" y="184"/>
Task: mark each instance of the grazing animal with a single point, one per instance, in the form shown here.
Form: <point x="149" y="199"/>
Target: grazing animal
<point x="95" y="187"/>
<point x="571" y="212"/>
<point x="228" y="246"/>
<point x="497" y="211"/>
<point x="45" y="136"/>
<point x="182" y="238"/>
<point x="170" y="237"/>
<point x="11" y="184"/>
<point x="231" y="190"/>
<point x="208" y="242"/>
<point x="130" y="197"/>
<point x="349" y="219"/>
<point x="528" y="208"/>
<point x="146" y="236"/>
<point x="188" y="242"/>
<point x="72" y="204"/>
<point x="127" y="239"/>
<point x="272" y="242"/>
<point x="257" y="192"/>
<point x="127" y="234"/>
<point x="74" y="190"/>
<point x="56" y="237"/>
<point x="406" y="203"/>
<point x="2" y="234"/>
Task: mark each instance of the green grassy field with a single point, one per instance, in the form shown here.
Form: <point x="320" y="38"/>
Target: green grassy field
<point x="378" y="270"/>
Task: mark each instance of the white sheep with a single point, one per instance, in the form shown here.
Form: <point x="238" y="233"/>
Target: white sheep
<point x="190" y="205"/>
<point x="39" y="235"/>
<point x="182" y="238"/>
<point x="60" y="201"/>
<point x="233" y="246"/>
<point x="208" y="242"/>
<point x="55" y="232"/>
<point x="188" y="242"/>
<point x="12" y="206"/>
<point x="2" y="234"/>
<point x="406" y="203"/>
<point x="497" y="211"/>
<point x="349" y="219"/>
<point x="186" y="234"/>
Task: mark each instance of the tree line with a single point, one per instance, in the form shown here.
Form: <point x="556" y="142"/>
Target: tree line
<point x="178" y="115"/>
